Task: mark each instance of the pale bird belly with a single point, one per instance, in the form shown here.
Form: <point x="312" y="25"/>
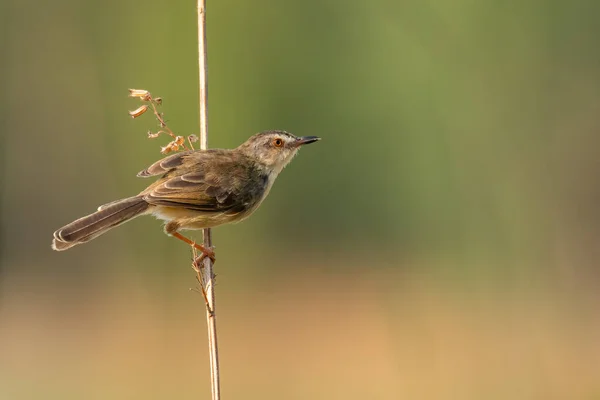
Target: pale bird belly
<point x="190" y="219"/>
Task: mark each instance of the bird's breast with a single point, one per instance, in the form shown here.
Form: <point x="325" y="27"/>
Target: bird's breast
<point x="259" y="190"/>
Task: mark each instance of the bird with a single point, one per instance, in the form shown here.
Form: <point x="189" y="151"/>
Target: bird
<point x="196" y="189"/>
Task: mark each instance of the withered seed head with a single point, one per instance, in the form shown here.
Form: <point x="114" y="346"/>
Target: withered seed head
<point x="138" y="93"/>
<point x="138" y="111"/>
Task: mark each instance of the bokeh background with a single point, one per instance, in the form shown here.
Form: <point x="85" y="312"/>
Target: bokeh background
<point x="440" y="242"/>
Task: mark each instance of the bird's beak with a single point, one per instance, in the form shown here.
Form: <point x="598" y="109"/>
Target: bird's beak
<point x="306" y="140"/>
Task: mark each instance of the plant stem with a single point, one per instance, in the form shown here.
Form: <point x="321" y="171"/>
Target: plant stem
<point x="207" y="271"/>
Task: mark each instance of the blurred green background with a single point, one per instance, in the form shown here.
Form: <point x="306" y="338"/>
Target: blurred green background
<point x="440" y="242"/>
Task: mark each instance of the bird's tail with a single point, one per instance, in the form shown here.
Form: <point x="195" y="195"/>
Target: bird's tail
<point x="89" y="227"/>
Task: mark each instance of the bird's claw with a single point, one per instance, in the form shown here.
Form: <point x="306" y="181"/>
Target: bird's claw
<point x="206" y="253"/>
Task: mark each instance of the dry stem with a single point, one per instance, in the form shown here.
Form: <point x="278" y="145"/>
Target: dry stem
<point x="207" y="280"/>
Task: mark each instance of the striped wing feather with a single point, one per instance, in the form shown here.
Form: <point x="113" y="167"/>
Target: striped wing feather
<point x="206" y="182"/>
<point x="165" y="165"/>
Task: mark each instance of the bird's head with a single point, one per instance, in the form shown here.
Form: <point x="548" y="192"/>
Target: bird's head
<point x="274" y="149"/>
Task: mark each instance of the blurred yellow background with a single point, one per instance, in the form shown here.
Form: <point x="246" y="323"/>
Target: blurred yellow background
<point x="440" y="242"/>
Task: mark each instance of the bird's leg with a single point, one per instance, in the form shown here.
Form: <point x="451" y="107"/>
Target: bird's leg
<point x="205" y="252"/>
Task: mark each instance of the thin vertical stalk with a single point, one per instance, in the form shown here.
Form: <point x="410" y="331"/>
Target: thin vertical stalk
<point x="207" y="271"/>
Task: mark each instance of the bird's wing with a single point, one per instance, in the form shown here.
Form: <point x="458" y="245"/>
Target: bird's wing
<point x="207" y="182"/>
<point x="165" y="165"/>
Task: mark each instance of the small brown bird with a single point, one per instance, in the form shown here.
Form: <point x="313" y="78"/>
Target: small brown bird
<point x="198" y="189"/>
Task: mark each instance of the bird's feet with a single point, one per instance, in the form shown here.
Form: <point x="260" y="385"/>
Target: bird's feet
<point x="206" y="253"/>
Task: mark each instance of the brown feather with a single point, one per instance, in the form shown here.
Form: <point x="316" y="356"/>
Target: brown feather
<point x="165" y="165"/>
<point x="211" y="181"/>
<point x="93" y="225"/>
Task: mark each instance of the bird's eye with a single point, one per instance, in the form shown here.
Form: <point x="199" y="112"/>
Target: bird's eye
<point x="278" y="142"/>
